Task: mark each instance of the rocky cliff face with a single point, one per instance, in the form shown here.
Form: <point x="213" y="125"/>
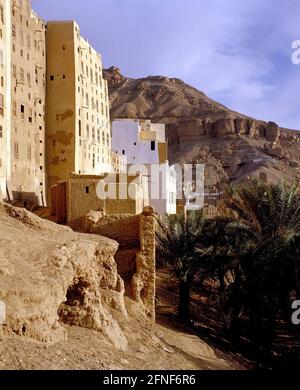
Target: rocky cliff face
<point x="161" y="99"/>
<point x="195" y="122"/>
<point x="65" y="304"/>
<point x="50" y="275"/>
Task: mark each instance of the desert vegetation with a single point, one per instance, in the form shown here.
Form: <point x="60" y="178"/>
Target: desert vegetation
<point x="247" y="261"/>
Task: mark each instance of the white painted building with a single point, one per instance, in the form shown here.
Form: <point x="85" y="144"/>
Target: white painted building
<point x="138" y="141"/>
<point x="144" y="144"/>
<point x="162" y="188"/>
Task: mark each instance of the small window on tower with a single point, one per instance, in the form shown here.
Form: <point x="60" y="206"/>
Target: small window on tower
<point x="152" y="145"/>
<point x="87" y="190"/>
<point x="52" y="78"/>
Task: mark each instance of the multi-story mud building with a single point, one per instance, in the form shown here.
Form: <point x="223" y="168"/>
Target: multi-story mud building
<point x="78" y="136"/>
<point x="5" y="93"/>
<point x="54" y="107"/>
<point x="23" y="103"/>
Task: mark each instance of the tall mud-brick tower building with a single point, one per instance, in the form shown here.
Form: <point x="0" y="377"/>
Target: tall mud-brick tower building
<point x="5" y="93"/>
<point x="28" y="76"/>
<point x="22" y="103"/>
<point x="78" y="136"/>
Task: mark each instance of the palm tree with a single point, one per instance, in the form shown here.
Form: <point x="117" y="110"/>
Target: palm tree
<point x="228" y="239"/>
<point x="178" y="243"/>
<point x="269" y="270"/>
<point x="270" y="211"/>
<point x="253" y="250"/>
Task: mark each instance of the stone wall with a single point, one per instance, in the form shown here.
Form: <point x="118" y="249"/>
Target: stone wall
<point x="143" y="281"/>
<point x="136" y="254"/>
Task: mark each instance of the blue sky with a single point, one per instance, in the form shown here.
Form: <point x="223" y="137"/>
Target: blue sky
<point x="236" y="51"/>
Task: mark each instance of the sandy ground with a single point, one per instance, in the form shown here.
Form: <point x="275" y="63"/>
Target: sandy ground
<point x="151" y="346"/>
<point x="87" y="349"/>
<point x="161" y="345"/>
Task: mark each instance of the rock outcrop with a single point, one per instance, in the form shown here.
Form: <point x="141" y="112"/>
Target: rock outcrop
<point x="242" y="126"/>
<point x="50" y="275"/>
<point x="91" y="218"/>
<point x="272" y="132"/>
<point x="224" y="127"/>
<point x="171" y="101"/>
<point x="114" y="77"/>
<point x="274" y="150"/>
<point x="194" y="121"/>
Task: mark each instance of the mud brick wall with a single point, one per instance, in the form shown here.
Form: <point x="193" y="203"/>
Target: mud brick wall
<point x="135" y="256"/>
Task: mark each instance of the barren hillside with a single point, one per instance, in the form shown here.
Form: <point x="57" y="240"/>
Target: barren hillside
<point x="233" y="146"/>
<point x="66" y="307"/>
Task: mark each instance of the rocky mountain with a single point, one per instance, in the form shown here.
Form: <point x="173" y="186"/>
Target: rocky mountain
<point x="232" y="146"/>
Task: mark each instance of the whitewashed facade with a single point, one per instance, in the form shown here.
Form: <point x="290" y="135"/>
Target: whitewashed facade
<point x="144" y="143"/>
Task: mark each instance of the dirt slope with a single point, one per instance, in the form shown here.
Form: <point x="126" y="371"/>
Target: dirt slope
<point x="66" y="307"/>
<point x="150" y="346"/>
